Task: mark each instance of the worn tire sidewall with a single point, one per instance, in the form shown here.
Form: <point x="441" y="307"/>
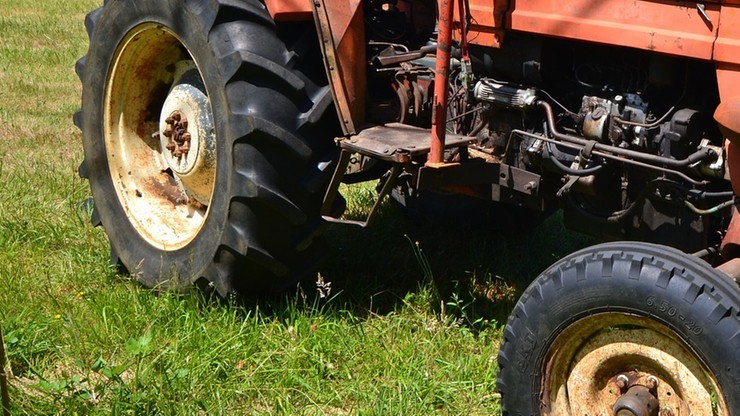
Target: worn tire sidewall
<point x="145" y="261"/>
<point x="544" y="317"/>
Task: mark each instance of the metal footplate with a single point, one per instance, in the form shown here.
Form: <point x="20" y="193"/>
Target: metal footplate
<point x="395" y="143"/>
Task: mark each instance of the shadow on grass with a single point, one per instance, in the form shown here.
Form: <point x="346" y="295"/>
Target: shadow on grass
<point x="475" y="264"/>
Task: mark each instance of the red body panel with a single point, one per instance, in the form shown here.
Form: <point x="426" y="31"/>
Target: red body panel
<point x="287" y="10"/>
<point x="727" y="51"/>
<point x="670" y="27"/>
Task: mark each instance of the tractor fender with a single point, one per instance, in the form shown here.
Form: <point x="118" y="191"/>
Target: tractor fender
<point x="341" y="29"/>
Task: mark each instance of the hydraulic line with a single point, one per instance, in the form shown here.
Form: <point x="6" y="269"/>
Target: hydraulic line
<point x="697" y="156"/>
<point x="605" y="155"/>
<point x="645" y="125"/>
<point x="569" y="170"/>
<point x="712" y="210"/>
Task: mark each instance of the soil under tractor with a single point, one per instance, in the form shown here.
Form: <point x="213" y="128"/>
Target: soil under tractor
<point x="217" y="133"/>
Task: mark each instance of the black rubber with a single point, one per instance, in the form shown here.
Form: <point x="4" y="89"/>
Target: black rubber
<point x="623" y="277"/>
<point x="274" y="119"/>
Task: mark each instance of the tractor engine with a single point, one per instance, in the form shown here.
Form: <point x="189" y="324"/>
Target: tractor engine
<point x="622" y="139"/>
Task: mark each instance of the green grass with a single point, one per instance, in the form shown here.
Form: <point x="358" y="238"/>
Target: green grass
<point x="412" y="326"/>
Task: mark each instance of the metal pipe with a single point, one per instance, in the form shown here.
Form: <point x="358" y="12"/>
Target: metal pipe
<point x="605" y="155"/>
<point x="569" y="170"/>
<point x="441" y="81"/>
<point x="697" y="156"/>
<point x="645" y="125"/>
<point x="706" y="252"/>
<point x="462" y="4"/>
<point x="712" y="210"/>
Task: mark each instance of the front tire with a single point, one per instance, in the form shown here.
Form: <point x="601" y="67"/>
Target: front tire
<point x="205" y="143"/>
<point x="621" y="315"/>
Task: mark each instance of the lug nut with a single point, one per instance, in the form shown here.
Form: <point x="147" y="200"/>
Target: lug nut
<point x="652" y="382"/>
<point x="177" y="132"/>
<point x="622" y="381"/>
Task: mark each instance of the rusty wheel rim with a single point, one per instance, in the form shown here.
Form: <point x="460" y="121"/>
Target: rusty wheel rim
<point x="617" y="352"/>
<point x="159" y="137"/>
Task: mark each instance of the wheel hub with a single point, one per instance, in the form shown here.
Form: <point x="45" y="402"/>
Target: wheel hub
<point x="637" y="401"/>
<point x="629" y="367"/>
<point x="187" y="138"/>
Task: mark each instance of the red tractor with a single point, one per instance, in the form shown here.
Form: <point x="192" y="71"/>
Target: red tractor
<point x="217" y="133"/>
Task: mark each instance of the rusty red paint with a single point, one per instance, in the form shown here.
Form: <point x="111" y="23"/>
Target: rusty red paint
<point x="289" y="10"/>
<point x="439" y="110"/>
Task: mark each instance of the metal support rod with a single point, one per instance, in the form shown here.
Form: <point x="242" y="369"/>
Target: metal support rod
<point x="462" y="10"/>
<point x="441" y="83"/>
<point x="333" y="190"/>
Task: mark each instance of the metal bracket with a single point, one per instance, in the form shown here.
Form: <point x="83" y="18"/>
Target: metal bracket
<point x="333" y="190"/>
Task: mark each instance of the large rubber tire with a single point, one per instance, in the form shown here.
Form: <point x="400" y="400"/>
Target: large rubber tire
<point x="273" y="153"/>
<point x="620" y="308"/>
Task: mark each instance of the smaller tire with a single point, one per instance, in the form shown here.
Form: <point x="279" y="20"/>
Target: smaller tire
<point x="621" y="316"/>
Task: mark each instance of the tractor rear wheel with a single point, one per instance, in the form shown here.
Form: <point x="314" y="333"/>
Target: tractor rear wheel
<point x="205" y="142"/>
<point x="624" y="329"/>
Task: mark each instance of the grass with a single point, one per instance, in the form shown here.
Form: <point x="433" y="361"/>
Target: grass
<point x="412" y="325"/>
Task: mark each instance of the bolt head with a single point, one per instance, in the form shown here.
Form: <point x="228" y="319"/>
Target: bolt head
<point x="622" y="381"/>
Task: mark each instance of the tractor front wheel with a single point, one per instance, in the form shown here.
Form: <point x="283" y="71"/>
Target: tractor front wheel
<point x="624" y="329"/>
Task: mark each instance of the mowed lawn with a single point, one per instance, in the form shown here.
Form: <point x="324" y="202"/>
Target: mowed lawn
<point x="412" y="325"/>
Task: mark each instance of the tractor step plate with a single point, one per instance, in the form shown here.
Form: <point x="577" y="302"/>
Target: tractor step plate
<point x="396" y="142"/>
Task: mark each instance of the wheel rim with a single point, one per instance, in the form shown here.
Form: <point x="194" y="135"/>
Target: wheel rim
<point x="618" y="354"/>
<point x="159" y="137"/>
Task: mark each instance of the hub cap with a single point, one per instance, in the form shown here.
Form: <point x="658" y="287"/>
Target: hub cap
<point x="187" y="137"/>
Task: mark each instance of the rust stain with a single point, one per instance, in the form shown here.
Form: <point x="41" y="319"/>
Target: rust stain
<point x="164" y="186"/>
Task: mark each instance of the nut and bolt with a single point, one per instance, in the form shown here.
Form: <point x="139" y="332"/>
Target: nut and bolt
<point x="177" y="131"/>
<point x="652" y="382"/>
<point x="622" y="381"/>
